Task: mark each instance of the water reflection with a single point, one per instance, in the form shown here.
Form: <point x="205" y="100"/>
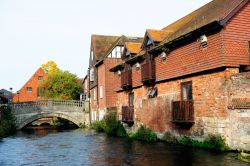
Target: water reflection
<point x="83" y="147"/>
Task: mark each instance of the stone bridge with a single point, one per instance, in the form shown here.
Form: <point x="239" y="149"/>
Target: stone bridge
<point x="72" y="110"/>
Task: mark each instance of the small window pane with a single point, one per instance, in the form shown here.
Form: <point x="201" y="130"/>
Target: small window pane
<point x="40" y="78"/>
<point x="29" y="89"/>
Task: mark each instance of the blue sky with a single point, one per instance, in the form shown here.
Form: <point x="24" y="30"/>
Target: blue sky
<point x="35" y="31"/>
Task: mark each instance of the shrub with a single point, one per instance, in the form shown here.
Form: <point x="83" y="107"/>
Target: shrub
<point x="110" y="125"/>
<point x="144" y="134"/>
<point x="98" y="126"/>
<point x="7" y="122"/>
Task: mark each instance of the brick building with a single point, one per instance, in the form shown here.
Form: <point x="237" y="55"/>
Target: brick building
<point x="188" y="78"/>
<point x="30" y="91"/>
<point x="105" y="52"/>
<point x="99" y="46"/>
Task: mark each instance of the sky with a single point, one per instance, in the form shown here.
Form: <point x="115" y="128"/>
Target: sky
<point x="35" y="31"/>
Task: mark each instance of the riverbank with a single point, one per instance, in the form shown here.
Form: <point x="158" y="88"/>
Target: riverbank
<point x="7" y="122"/>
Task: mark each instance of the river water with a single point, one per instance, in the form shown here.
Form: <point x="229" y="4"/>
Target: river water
<point x="84" y="147"/>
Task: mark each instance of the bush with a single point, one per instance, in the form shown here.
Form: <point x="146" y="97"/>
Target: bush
<point x="7" y="122"/>
<point x="144" y="134"/>
<point x="110" y="125"/>
<point x="98" y="126"/>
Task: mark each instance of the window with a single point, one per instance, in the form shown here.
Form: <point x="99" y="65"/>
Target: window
<point x="92" y="75"/>
<point x="40" y="78"/>
<point x="101" y="93"/>
<point x="86" y="84"/>
<point x="92" y="55"/>
<point x="39" y="92"/>
<point x="29" y="89"/>
<point x="119" y="50"/>
<point x="94" y="94"/>
<point x="186" y="91"/>
<point x="149" y="43"/>
<point x="152" y="92"/>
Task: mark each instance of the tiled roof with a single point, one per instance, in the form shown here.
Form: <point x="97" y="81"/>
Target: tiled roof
<point x="133" y="48"/>
<point x="101" y="44"/>
<point x="158" y="35"/>
<point x="215" y="11"/>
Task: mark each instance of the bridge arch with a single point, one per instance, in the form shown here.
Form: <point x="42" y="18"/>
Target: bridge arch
<point x="35" y="117"/>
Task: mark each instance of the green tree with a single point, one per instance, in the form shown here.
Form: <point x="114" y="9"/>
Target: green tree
<point x="61" y="85"/>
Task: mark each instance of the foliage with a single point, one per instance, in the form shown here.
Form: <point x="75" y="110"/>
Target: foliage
<point x="61" y="85"/>
<point x="110" y="125"/>
<point x="98" y="126"/>
<point x="7" y="122"/>
<point x="215" y="142"/>
<point x="50" y="67"/>
<point x="144" y="134"/>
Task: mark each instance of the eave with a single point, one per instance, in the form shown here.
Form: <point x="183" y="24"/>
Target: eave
<point x="117" y="67"/>
<point x="170" y="44"/>
<point x="137" y="58"/>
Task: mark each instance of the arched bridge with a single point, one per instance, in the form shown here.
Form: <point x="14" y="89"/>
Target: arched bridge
<point x="72" y="110"/>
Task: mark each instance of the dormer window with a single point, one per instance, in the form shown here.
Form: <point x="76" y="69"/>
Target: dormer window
<point x="116" y="52"/>
<point x="149" y="42"/>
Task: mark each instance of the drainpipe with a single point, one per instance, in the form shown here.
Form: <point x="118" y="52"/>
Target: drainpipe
<point x="97" y="92"/>
<point x="90" y="112"/>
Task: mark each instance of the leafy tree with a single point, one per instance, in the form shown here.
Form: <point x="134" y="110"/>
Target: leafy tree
<point x="61" y="85"/>
<point x="50" y="67"/>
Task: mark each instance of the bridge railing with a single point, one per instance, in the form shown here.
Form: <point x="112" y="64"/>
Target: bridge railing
<point x="48" y="103"/>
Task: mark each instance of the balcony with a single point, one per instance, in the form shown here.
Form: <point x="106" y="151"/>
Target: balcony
<point x="148" y="72"/>
<point x="126" y="79"/>
<point x="128" y="114"/>
<point x="183" y="112"/>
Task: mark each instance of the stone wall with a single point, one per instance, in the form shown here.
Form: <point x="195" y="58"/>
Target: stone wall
<point x="239" y="111"/>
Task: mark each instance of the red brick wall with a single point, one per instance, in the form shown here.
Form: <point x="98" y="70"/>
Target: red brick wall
<point x="210" y="95"/>
<point x="101" y="82"/>
<point x="93" y="101"/>
<point x="112" y="82"/>
<point x="33" y="82"/>
<point x="136" y="77"/>
<point x="236" y="36"/>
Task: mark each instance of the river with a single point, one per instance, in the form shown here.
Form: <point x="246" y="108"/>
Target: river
<point x="84" y="147"/>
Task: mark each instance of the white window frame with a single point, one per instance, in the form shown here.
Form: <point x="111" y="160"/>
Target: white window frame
<point x="29" y="89"/>
<point x="92" y="75"/>
<point x="101" y="92"/>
